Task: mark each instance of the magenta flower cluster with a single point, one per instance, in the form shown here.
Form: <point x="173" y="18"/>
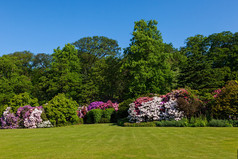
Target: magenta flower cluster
<point x="82" y="111"/>
<point x="94" y="105"/>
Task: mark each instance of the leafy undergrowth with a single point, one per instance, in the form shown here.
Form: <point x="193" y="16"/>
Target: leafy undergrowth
<point x="110" y="141"/>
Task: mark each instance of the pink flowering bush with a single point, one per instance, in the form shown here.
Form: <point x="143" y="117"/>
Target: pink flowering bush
<point x="82" y="111"/>
<point x="108" y="104"/>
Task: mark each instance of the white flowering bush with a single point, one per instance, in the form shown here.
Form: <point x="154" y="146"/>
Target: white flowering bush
<point x="33" y="119"/>
<point x="45" y="124"/>
<point x="156" y="108"/>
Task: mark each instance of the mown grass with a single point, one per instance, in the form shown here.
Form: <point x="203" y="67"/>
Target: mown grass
<point x="107" y="141"/>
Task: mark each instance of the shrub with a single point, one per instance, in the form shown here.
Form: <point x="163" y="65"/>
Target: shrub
<point x="9" y="120"/>
<point x="107" y="115"/>
<point x="189" y="103"/>
<point x="198" y="122"/>
<point x="61" y="110"/>
<point x="234" y="123"/>
<point x="146" y="109"/>
<point x="94" y="105"/>
<point x="123" y="109"/>
<point x="94" y="116"/>
<point x="81" y="121"/>
<point x="225" y="105"/>
<point x="172" y="123"/>
<point x="219" y="123"/>
<point x="21" y="100"/>
<point x="120" y="122"/>
<point x="102" y="105"/>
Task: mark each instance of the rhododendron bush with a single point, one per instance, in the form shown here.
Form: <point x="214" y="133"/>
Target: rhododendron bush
<point x="225" y="103"/>
<point x="25" y="117"/>
<point x="82" y="111"/>
<point x="164" y="107"/>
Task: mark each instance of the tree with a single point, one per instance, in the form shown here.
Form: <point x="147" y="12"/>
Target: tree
<point x="211" y="61"/>
<point x="11" y="79"/>
<point x="64" y="75"/>
<point x="100" y="65"/>
<point x="146" y="67"/>
<point x="24" y="59"/>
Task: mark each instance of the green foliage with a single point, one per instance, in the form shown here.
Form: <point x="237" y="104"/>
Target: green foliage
<point x="64" y="75"/>
<point x="43" y="116"/>
<point x="198" y="122"/>
<point x="12" y="79"/>
<point x="61" y="110"/>
<point x="107" y="115"/>
<point x="94" y="116"/>
<point x="120" y="122"/>
<point x="81" y="121"/>
<point x="211" y="61"/>
<point x="146" y="68"/>
<point x="225" y="105"/>
<point x="21" y="100"/>
<point x="123" y="108"/>
<point x="219" y="123"/>
<point x="172" y="123"/>
<point x="100" y="68"/>
<point x="190" y="104"/>
<point x="100" y="116"/>
<point x="234" y="123"/>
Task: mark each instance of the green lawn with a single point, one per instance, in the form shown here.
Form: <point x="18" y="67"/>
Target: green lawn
<point x="107" y="141"/>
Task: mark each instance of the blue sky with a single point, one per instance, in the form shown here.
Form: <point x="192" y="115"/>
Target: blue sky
<point x="40" y="26"/>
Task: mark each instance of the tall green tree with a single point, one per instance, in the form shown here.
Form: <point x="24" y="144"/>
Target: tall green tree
<point x="146" y="67"/>
<point x="100" y="64"/>
<point x="211" y="61"/>
<point x="12" y="80"/>
<point x="64" y="75"/>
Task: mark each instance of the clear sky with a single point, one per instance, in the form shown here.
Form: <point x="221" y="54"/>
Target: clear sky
<point x="40" y="26"/>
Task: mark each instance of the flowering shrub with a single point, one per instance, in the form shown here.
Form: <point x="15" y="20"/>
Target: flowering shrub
<point x="225" y="104"/>
<point x="165" y="107"/>
<point x="82" y="111"/>
<point x="25" y="117"/>
<point x="216" y="93"/>
<point x="94" y="105"/>
<point x="34" y="119"/>
<point x="139" y="102"/>
<point x="45" y="124"/>
<point x="9" y="120"/>
<point x="109" y="104"/>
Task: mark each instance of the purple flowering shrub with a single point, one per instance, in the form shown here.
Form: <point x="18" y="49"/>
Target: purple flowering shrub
<point x="9" y="120"/>
<point x="82" y="111"/>
<point x="94" y="105"/>
<point x="102" y="105"/>
<point x="25" y="117"/>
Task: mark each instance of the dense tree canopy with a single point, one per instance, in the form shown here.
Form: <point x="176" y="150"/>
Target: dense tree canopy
<point x="94" y="68"/>
<point x="146" y="66"/>
<point x="211" y="61"/>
